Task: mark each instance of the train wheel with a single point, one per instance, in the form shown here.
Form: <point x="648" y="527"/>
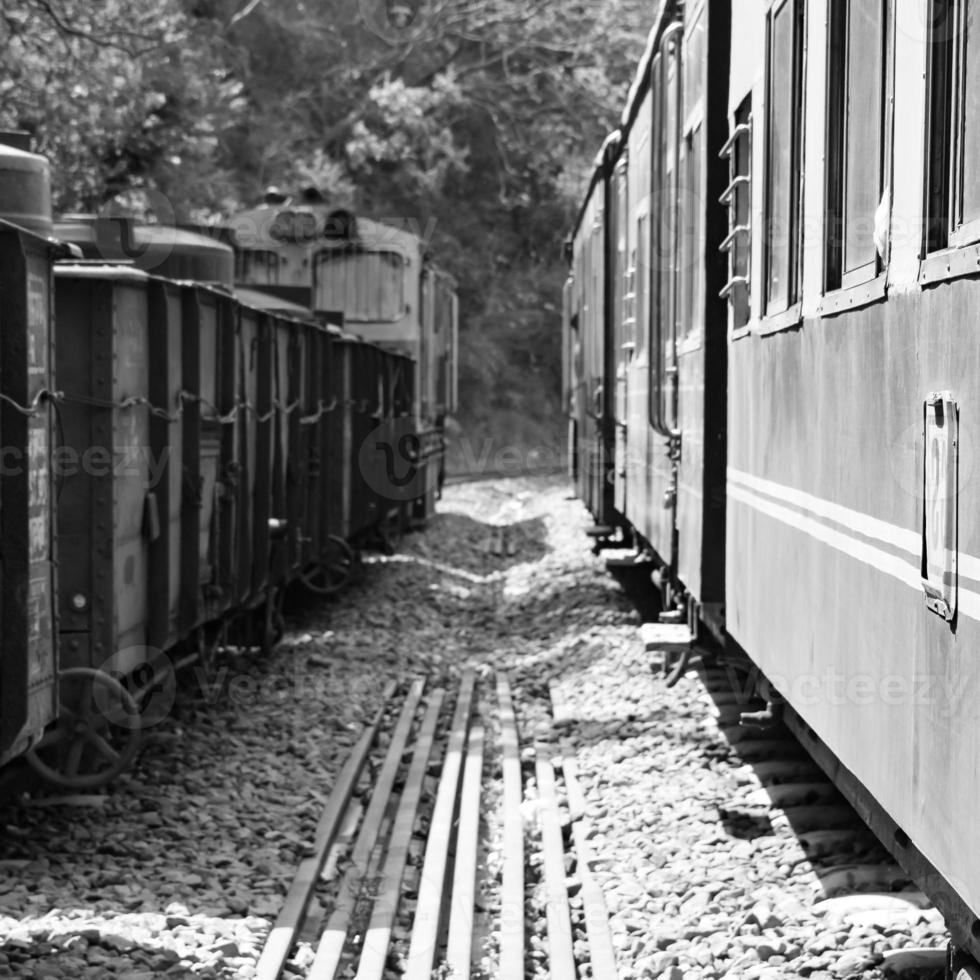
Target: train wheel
<point x="334" y="570"/>
<point x="97" y="733"/>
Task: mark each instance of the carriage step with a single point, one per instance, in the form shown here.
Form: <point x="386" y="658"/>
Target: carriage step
<point x="600" y="531"/>
<point x="673" y="616"/>
<point x="670" y="637"/>
<point x="631" y="561"/>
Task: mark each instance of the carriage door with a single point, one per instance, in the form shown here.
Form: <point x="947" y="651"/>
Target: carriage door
<point x="624" y="276"/>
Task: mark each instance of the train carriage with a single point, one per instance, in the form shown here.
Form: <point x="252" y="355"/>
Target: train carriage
<point x="804" y="346"/>
<point x="649" y="320"/>
<point x="852" y="508"/>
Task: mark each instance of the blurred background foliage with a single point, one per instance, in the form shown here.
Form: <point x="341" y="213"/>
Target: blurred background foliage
<point x="476" y="120"/>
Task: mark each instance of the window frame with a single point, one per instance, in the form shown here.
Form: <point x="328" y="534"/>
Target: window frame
<point x="955" y="232"/>
<point x="791" y="310"/>
<point x="848" y="282"/>
<point x="324" y="255"/>
<point x="666" y="84"/>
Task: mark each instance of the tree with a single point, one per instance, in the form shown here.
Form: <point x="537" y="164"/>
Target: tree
<point x="115" y="108"/>
<point x="476" y="118"/>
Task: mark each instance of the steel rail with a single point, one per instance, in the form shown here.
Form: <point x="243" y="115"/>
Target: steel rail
<point x="459" y="950"/>
<point x="283" y="934"/>
<point x="428" y="911"/>
<point x="331" y="946"/>
<point x="512" y="886"/>
<point x="374" y="952"/>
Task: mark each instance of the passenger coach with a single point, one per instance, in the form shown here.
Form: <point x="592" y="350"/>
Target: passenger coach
<point x="786" y="233"/>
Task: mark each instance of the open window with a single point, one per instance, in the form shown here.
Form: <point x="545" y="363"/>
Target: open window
<point x="952" y="190"/>
<point x="856" y="94"/>
<point x="784" y="151"/>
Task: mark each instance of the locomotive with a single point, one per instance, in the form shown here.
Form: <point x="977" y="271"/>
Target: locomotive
<point x="180" y="448"/>
<point x="771" y="373"/>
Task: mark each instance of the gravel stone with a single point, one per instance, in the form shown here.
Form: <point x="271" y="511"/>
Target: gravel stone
<point x="180" y="867"/>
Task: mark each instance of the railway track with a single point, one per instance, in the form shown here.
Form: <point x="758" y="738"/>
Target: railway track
<point x="396" y="882"/>
<point x="446" y="836"/>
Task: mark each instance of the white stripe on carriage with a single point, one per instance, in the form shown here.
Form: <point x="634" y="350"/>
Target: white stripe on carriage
<point x="854" y="520"/>
<point x="870" y="527"/>
<point x="968" y="602"/>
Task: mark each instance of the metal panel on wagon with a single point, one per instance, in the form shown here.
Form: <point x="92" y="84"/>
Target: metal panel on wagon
<point x="103" y="518"/>
<point x="340" y="440"/>
<point x="165" y="463"/>
<point x="28" y="655"/>
<point x="208" y="498"/>
<point x="261" y="469"/>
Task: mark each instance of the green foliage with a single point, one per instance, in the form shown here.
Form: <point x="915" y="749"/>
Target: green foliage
<point x="478" y="118"/>
<point x="119" y="95"/>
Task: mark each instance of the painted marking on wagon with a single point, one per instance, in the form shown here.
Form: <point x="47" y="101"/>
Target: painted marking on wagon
<point x="893" y="565"/>
<point x="854" y="520"/>
<point x="864" y="524"/>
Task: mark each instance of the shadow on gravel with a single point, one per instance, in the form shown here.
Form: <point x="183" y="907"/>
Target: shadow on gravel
<point x="638" y="588"/>
<point x="747" y="826"/>
<point x="481" y="548"/>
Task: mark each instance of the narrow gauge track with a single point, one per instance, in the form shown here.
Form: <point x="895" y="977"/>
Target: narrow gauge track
<point x="392" y="883"/>
<point x="398" y="881"/>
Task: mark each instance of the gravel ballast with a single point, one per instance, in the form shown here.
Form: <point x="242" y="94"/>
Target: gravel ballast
<point x="179" y="868"/>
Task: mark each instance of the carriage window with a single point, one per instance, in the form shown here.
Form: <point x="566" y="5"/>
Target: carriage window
<point x="738" y="199"/>
<point x="855" y="136"/>
<point x="367" y="286"/>
<point x="783" y="155"/>
<point x="953" y="193"/>
<point x="256" y="267"/>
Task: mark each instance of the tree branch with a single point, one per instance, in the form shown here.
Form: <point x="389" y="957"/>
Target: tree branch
<point x="101" y="40"/>
<point x="243" y="13"/>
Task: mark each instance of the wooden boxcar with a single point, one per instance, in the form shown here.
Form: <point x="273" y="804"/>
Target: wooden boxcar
<point x="28" y="613"/>
<point x="375" y="280"/>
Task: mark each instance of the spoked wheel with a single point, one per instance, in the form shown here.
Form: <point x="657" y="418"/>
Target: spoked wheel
<point x="97" y="733"/>
<point x="334" y="569"/>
